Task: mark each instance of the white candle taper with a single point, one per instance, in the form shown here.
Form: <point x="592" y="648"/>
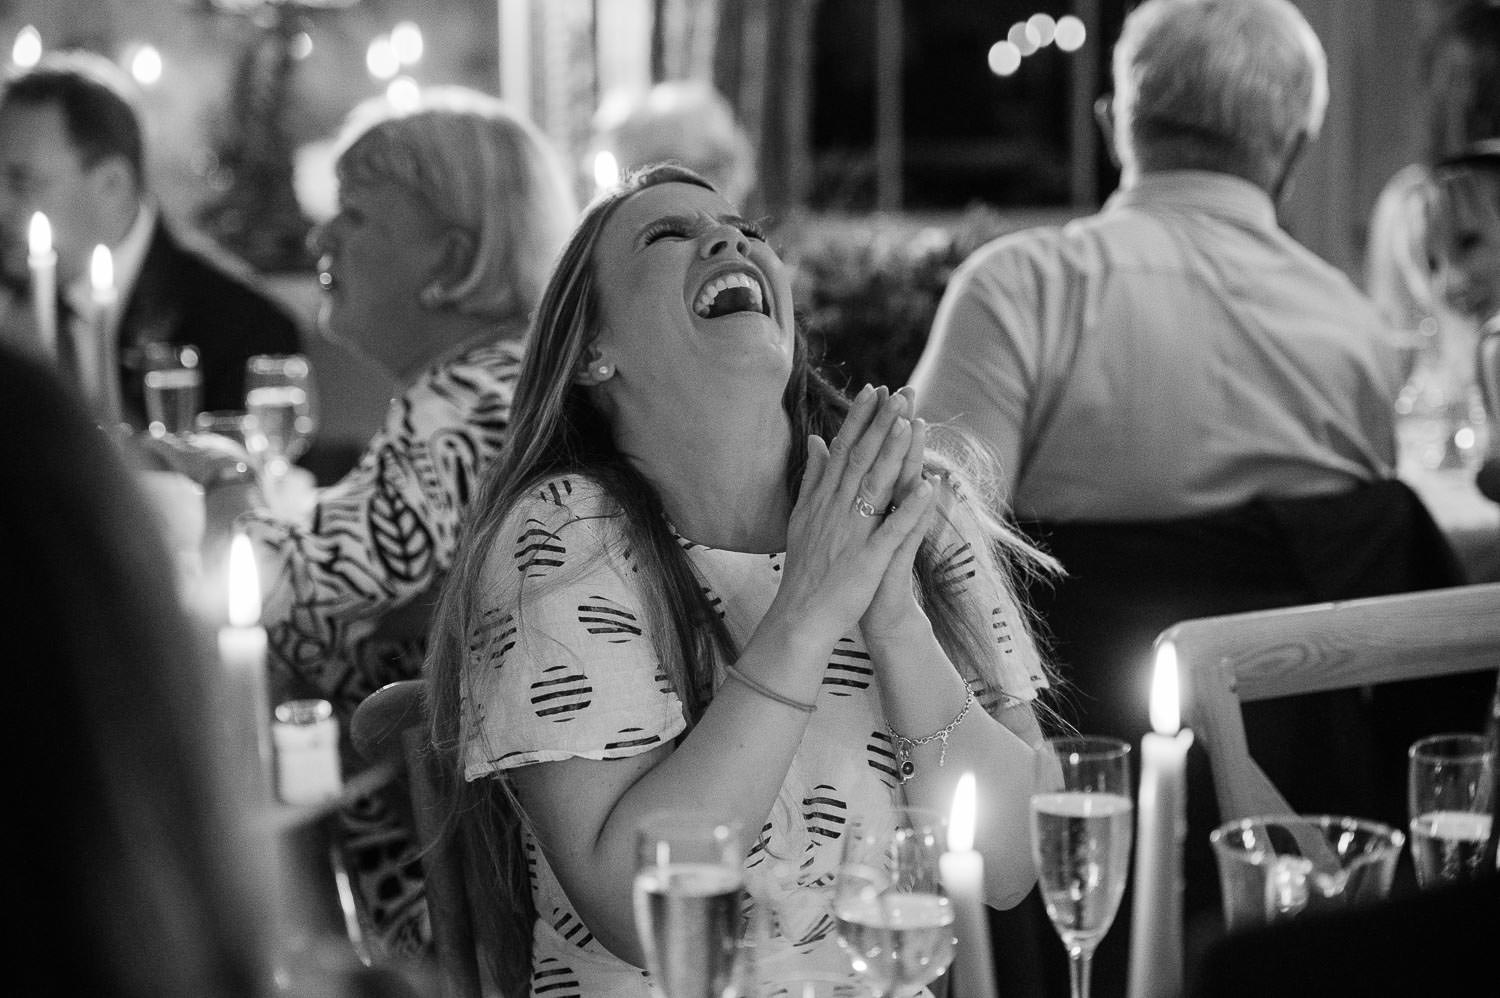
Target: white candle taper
<point x="41" y="259"/>
<point x="242" y="648"/>
<point x="962" y="870"/>
<point x="1156" y="956"/>
<point x="99" y="359"/>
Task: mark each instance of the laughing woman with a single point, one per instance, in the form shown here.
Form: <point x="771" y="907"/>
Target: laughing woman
<point x="700" y="580"/>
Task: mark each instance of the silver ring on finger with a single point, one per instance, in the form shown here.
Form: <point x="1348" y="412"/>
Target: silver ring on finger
<point x="864" y="507"/>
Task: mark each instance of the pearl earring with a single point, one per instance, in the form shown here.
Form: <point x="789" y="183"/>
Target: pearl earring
<point x="603" y="370"/>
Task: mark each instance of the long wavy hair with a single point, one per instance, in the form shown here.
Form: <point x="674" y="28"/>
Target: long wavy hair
<point x="556" y="429"/>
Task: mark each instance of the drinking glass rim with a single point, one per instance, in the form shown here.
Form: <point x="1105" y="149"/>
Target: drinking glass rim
<point x="1348" y="822"/>
<point x="1480" y="747"/>
<point x="1089" y="746"/>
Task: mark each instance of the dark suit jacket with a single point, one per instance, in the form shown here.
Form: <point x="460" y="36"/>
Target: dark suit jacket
<point x="201" y="297"/>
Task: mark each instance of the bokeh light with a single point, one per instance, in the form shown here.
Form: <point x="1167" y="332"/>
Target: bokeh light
<point x="1070" y="33"/>
<point x="146" y="66"/>
<point x="406" y="43"/>
<point x="606" y="170"/>
<point x="27" y="48"/>
<point x="1042" y="29"/>
<point x="1018" y="36"/>
<point x="404" y="94"/>
<point x="1004" y="58"/>
<point x="380" y="59"/>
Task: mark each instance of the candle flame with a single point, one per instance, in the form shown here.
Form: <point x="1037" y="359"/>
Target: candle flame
<point x="961" y="821"/>
<point x="102" y="271"/>
<point x="39" y="235"/>
<point x="1166" y="708"/>
<point x="244" y="584"/>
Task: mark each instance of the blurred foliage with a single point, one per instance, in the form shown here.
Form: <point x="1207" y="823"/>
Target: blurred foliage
<point x="868" y="287"/>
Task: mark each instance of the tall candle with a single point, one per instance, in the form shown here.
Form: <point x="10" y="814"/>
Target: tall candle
<point x="962" y="870"/>
<point x="102" y="373"/>
<point x="242" y="649"/>
<point x="42" y="261"/>
<point x="1156" y="957"/>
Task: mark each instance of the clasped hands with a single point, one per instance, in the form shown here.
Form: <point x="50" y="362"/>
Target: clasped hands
<point x="860" y="516"/>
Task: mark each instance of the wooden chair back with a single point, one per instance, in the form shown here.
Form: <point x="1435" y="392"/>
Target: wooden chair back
<point x="389" y="726"/>
<point x="1229" y="660"/>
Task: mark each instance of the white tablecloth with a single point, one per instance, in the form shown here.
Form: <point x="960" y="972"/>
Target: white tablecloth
<point x="1470" y="521"/>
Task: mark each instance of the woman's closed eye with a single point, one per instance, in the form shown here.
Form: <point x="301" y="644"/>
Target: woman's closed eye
<point x="666" y="228"/>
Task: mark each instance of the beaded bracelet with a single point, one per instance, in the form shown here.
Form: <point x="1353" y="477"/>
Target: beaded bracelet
<point x="767" y="692"/>
<point x="906" y="769"/>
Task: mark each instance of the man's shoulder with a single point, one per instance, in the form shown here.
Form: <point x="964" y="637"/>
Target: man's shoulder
<point x="1034" y="255"/>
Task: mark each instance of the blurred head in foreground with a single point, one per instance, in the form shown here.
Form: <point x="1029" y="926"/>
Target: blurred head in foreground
<point x="133" y="838"/>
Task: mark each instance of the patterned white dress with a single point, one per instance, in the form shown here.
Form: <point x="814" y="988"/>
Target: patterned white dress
<point x="378" y="538"/>
<point x="562" y="666"/>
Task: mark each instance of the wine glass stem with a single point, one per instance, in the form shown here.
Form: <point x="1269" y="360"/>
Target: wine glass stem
<point x="1080" y="970"/>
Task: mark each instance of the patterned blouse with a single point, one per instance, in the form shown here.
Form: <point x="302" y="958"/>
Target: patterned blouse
<point x="579" y="677"/>
<point x="386" y="532"/>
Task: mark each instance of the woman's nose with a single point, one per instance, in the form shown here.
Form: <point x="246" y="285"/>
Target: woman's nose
<point x="723" y="239"/>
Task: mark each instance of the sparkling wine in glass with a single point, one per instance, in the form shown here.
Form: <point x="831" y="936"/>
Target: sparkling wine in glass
<point x="173" y="383"/>
<point x="689" y="886"/>
<point x="893" y="918"/>
<point x="279" y="413"/>
<point x="1082" y="821"/>
<point x="1449" y="780"/>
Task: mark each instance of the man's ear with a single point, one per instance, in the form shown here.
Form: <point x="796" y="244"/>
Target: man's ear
<point x="593" y="368"/>
<point x="1104" y="117"/>
<point x="1282" y="182"/>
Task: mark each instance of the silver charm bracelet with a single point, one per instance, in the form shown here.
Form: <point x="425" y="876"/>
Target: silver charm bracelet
<point x="905" y="768"/>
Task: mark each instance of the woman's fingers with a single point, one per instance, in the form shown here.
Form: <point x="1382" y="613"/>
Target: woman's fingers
<point x="865" y="405"/>
<point x="875" y="458"/>
<point x="912" y="462"/>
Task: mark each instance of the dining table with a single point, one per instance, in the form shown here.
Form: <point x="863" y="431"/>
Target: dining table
<point x="1468" y="519"/>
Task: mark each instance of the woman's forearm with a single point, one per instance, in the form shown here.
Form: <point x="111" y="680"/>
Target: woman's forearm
<point x="731" y="765"/>
<point x="923" y="693"/>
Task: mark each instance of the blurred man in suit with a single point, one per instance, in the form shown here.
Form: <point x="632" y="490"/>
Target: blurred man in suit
<point x="71" y="147"/>
<point x="1192" y="411"/>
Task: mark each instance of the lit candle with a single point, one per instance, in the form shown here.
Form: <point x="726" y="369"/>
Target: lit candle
<point x="99" y="359"/>
<point x="962" y="870"/>
<point x="242" y="649"/>
<point x="1156" y="916"/>
<point x="42" y="259"/>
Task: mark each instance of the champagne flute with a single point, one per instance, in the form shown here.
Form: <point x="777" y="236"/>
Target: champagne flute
<point x="689" y="885"/>
<point x="894" y="919"/>
<point x="1448" y="789"/>
<point x="280" y="415"/>
<point x="1081" y="829"/>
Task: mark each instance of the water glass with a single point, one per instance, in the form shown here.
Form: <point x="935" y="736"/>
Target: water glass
<point x="689" y="889"/>
<point x="280" y="413"/>
<point x="893" y="917"/>
<point x="173" y="382"/>
<point x="1282" y="866"/>
<point x="1448" y="794"/>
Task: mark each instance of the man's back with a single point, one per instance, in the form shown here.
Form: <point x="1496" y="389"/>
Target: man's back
<point x="1173" y="355"/>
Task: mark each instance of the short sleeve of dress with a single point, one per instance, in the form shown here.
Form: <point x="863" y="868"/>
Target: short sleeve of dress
<point x="968" y="565"/>
<point x="560" y="660"/>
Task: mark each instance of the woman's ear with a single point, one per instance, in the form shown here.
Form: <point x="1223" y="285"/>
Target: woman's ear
<point x="455" y="262"/>
<point x="593" y="369"/>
